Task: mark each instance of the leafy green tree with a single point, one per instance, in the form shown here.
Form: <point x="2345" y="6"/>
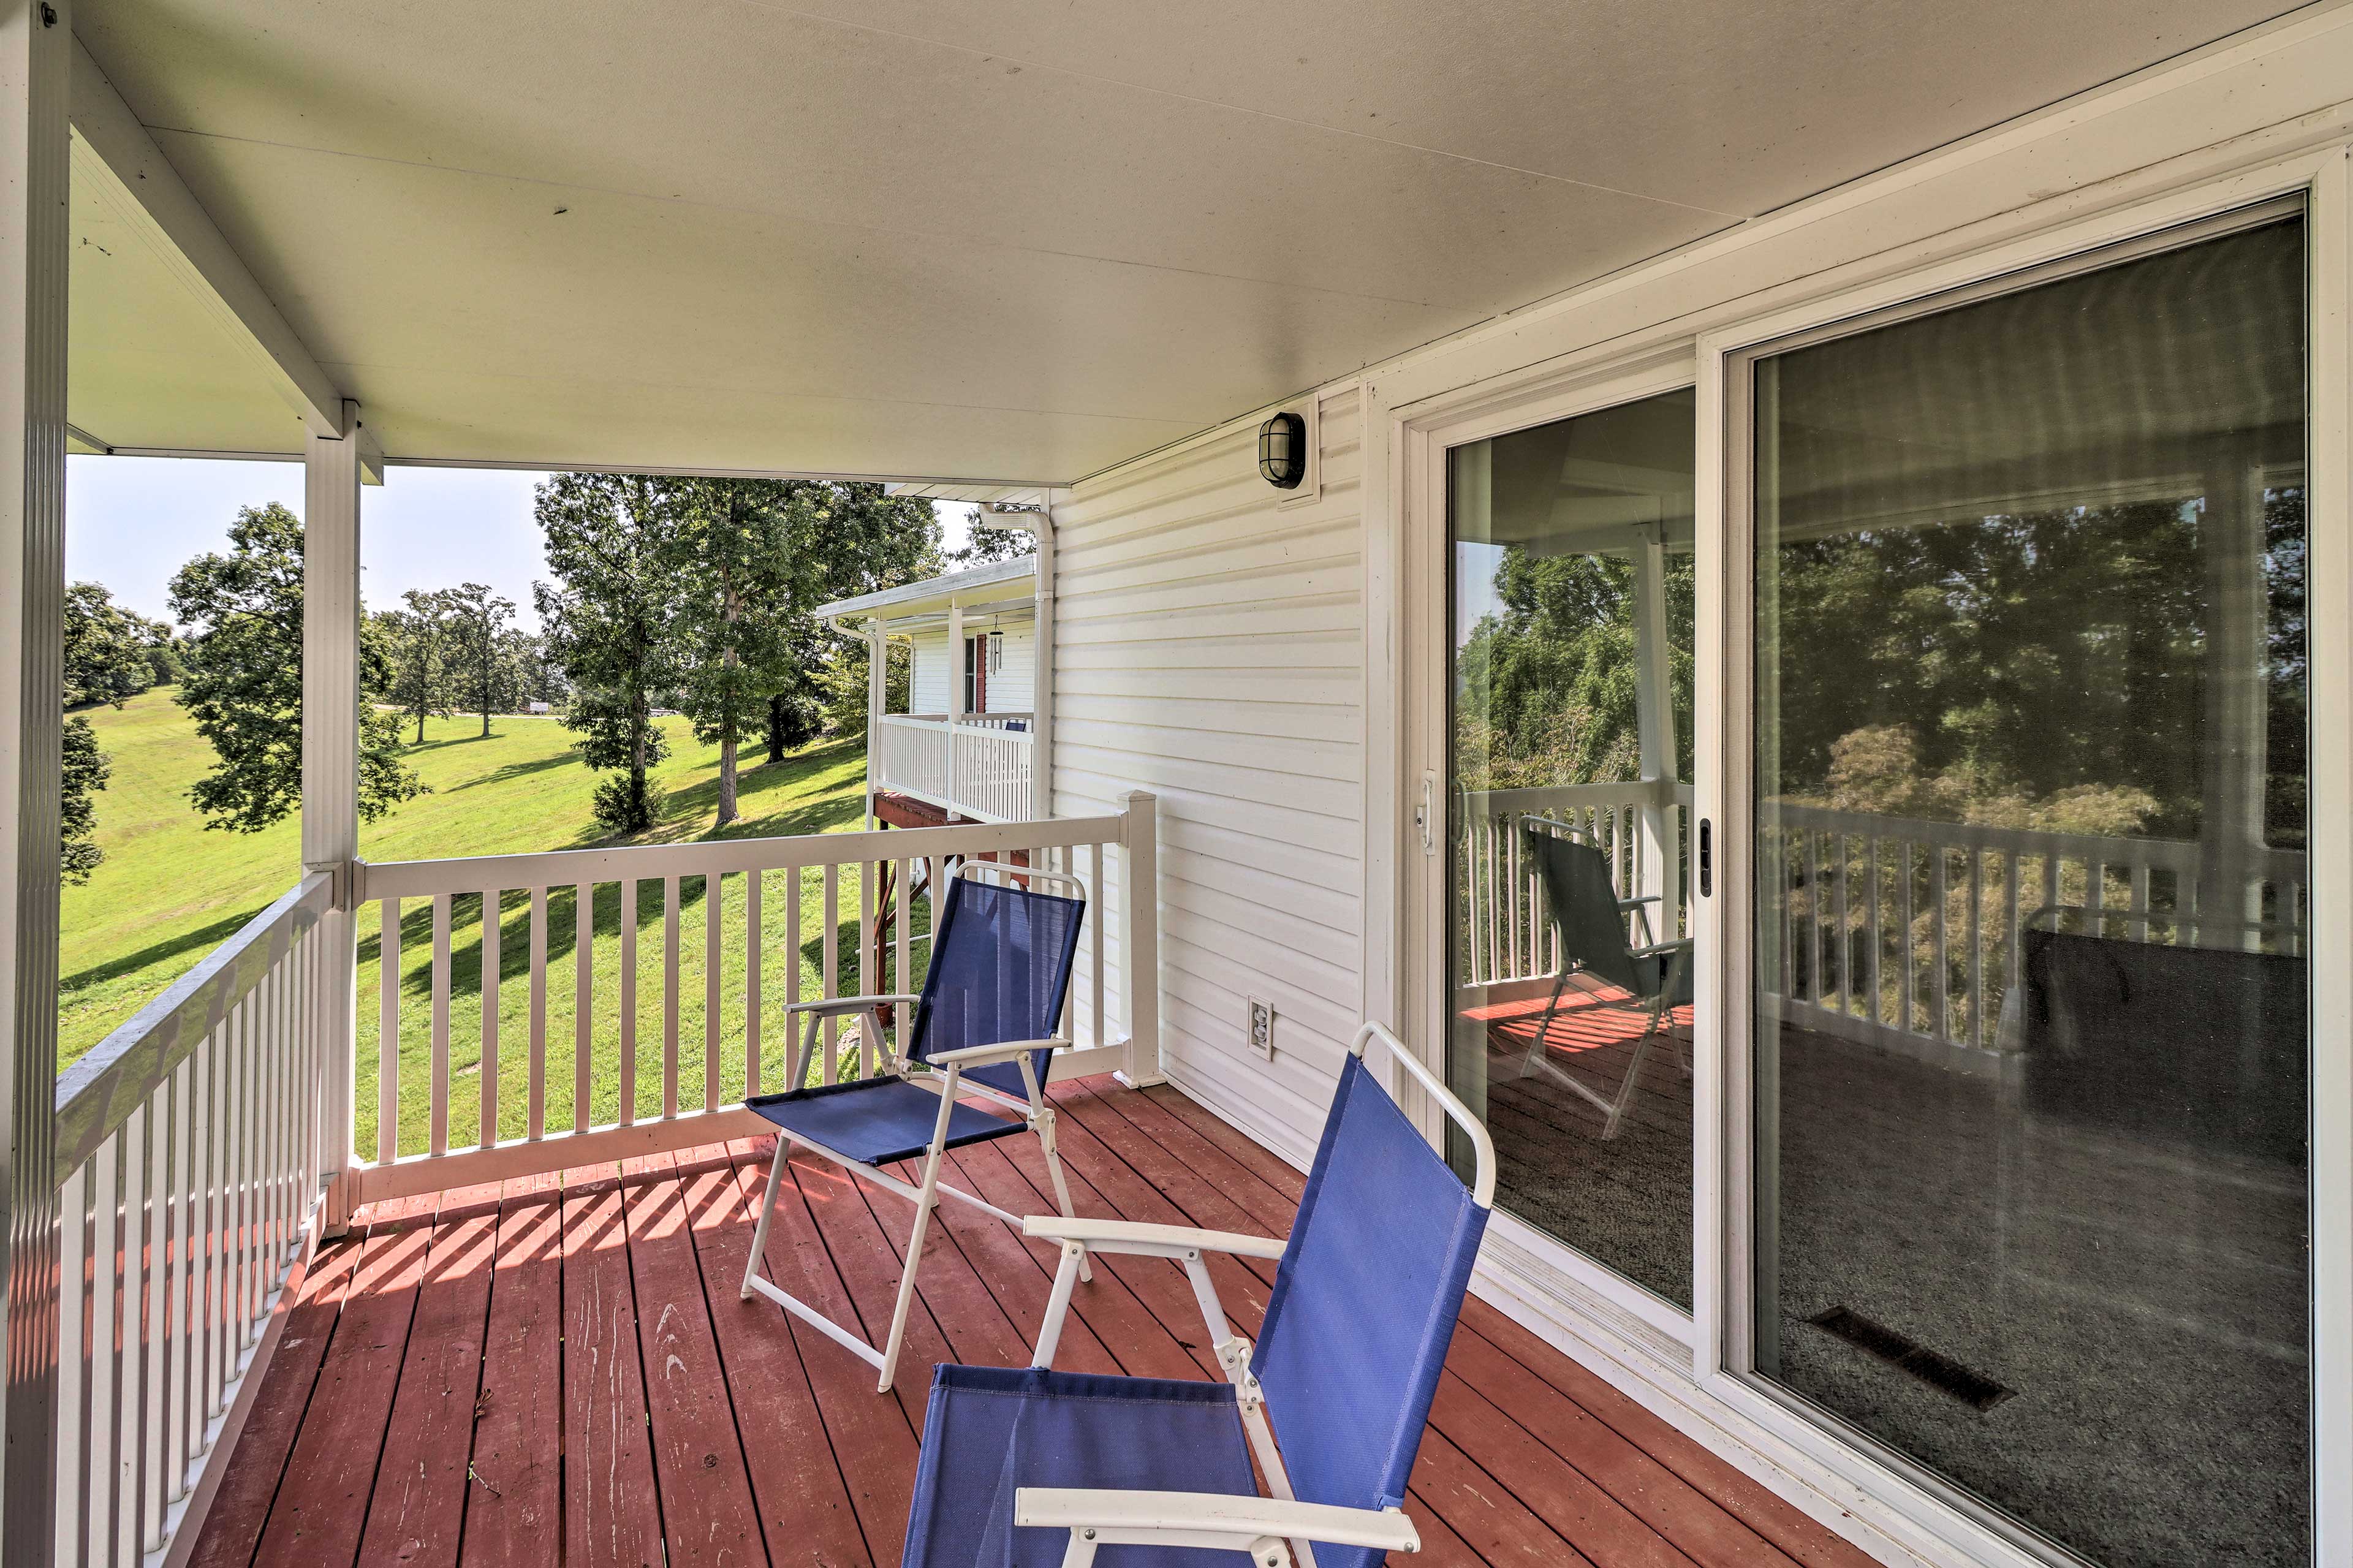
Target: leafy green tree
<point x="478" y="620"/>
<point x="729" y="548"/>
<point x="990" y="541"/>
<point x="85" y="774"/>
<point x="606" y="619"/>
<point x="855" y="539"/>
<point x="243" y="684"/>
<point x="109" y="650"/>
<point x="426" y="636"/>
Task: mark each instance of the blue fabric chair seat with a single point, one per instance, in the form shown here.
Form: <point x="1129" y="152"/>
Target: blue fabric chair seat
<point x="875" y="1120"/>
<point x="991" y="1431"/>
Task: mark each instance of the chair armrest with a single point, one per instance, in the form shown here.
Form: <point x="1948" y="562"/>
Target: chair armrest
<point x="981" y="1056"/>
<point x="1149" y="1240"/>
<point x="1140" y="1517"/>
<point x="1638" y="902"/>
<point x="1681" y="945"/>
<point x="849" y="1003"/>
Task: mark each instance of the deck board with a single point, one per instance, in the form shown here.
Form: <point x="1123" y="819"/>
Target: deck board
<point x="671" y="1421"/>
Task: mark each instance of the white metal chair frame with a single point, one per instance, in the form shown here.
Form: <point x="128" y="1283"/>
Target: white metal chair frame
<point x="948" y="1083"/>
<point x="1613" y="1108"/>
<point x="1260" y="1526"/>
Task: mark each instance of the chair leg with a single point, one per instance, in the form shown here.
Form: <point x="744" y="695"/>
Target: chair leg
<point x="1046" y="1141"/>
<point x="768" y="1208"/>
<point x="1535" y="1058"/>
<point x="925" y="1201"/>
<point x="1616" y="1107"/>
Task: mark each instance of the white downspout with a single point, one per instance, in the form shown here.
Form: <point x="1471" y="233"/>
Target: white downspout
<point x="1041" y="678"/>
<point x="955" y="696"/>
<point x="878" y="666"/>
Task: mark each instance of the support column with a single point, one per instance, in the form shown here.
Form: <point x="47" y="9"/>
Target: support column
<point x="956" y="698"/>
<point x="1041" y="678"/>
<point x="331" y="767"/>
<point x="878" y="687"/>
<point x="1139" y="944"/>
<point x="36" y="45"/>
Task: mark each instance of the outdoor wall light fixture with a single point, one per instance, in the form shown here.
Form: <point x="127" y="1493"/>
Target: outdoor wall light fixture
<point x="1282" y="451"/>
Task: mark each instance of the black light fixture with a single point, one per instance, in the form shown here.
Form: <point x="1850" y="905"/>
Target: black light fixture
<point x="1283" y="450"/>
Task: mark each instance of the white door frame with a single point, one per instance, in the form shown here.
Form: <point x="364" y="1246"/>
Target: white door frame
<point x="1723" y="1087"/>
<point x="1427" y="431"/>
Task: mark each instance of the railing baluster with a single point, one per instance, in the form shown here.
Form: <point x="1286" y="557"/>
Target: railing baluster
<point x="1813" y="918"/>
<point x="182" y="1383"/>
<point x="74" y="1343"/>
<point x="752" y="1075"/>
<point x="2013" y="873"/>
<point x="829" y="982"/>
<point x="1911" y="957"/>
<point x="1510" y="859"/>
<point x="584" y="1001"/>
<point x="904" y="981"/>
<point x="1095" y="922"/>
<point x="1943" y="977"/>
<point x="105" y="1291"/>
<point x="670" y="997"/>
<point x="870" y="979"/>
<point x="2140" y="899"/>
<point x="628" y="1020"/>
<point x="487" y="1070"/>
<point x="387" y="1042"/>
<point x="793" y="1026"/>
<point x="1845" y="939"/>
<point x="441" y="1106"/>
<point x="1977" y="945"/>
<point x="1878" y="939"/>
<point x="131" y="1436"/>
<point x="538" y="1064"/>
<point x="712" y="887"/>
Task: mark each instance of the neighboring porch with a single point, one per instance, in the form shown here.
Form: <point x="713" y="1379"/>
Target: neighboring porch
<point x="443" y="1395"/>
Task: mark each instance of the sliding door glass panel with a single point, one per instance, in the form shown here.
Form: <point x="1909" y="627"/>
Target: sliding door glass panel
<point x="2030" y="1022"/>
<point x="1568" y="968"/>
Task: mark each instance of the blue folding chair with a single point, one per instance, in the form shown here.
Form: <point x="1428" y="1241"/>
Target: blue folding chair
<point x="984" y="1027"/>
<point x="1025" y="1468"/>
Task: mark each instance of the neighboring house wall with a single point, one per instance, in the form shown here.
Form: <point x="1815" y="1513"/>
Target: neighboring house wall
<point x="1209" y="649"/>
<point x="1009" y="689"/>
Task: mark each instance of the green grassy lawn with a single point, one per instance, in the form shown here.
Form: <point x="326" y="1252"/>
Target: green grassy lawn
<point x="172" y="891"/>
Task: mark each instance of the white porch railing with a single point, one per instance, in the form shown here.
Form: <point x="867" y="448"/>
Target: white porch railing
<point x="978" y="765"/>
<point x="1898" y="931"/>
<point x="1906" y="932"/>
<point x="190" y="1153"/>
<point x="752" y="894"/>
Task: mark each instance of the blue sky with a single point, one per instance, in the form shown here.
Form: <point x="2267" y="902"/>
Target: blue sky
<point x="131" y="523"/>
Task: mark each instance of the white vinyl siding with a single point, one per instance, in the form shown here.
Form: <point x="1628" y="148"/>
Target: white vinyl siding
<point x="1209" y="649"/>
<point x="1010" y="687"/>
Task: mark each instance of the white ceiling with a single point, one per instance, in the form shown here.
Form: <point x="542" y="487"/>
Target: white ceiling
<point x="1017" y="241"/>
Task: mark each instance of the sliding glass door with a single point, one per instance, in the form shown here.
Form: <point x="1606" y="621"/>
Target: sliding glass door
<point x="1568" y="968"/>
<point x="2029" y="1029"/>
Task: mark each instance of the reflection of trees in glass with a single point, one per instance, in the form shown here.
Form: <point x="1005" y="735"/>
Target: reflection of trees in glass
<point x="2043" y="669"/>
<point x="1546" y="689"/>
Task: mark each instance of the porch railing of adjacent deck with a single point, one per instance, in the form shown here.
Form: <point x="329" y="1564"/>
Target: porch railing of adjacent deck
<point x="976" y="763"/>
<point x="1898" y="931"/>
<point x="742" y="1042"/>
<point x="190" y="1158"/>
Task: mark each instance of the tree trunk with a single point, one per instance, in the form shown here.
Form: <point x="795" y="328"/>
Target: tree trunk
<point x="730" y="716"/>
<point x="777" y="727"/>
<point x="726" y="779"/>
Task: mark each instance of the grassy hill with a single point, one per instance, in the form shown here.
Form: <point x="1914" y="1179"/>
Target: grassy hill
<point x="171" y="891"/>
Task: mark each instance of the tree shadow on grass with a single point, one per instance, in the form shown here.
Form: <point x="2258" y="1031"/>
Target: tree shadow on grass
<point x="208" y="937"/>
<point x="514" y="770"/>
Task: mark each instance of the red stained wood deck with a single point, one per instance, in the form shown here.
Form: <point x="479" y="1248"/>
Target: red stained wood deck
<point x="560" y="1372"/>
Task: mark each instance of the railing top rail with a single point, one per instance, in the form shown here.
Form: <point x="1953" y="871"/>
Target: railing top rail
<point x="100" y="1090"/>
<point x="566" y="867"/>
<point x="1540" y="797"/>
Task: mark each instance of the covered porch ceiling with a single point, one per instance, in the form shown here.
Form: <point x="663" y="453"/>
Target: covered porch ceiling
<point x="1008" y="245"/>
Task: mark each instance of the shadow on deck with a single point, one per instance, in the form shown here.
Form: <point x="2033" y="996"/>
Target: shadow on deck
<point x="559" y="1371"/>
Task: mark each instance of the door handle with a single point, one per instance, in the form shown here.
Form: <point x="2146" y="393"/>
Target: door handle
<point x="1706" y="859"/>
<point x="1425" y="815"/>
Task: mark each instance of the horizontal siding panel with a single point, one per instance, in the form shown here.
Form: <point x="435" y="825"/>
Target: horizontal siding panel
<point x="1209" y="647"/>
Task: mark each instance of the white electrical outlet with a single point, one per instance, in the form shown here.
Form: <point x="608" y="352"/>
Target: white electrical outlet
<point x="1261" y="1028"/>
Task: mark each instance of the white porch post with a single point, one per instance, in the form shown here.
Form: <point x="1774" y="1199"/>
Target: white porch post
<point x="878" y="673"/>
<point x="955" y="696"/>
<point x="1139" y="945"/>
<point x="330" y="764"/>
<point x="1041" y="677"/>
<point x="35" y="44"/>
<point x="1654" y="724"/>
